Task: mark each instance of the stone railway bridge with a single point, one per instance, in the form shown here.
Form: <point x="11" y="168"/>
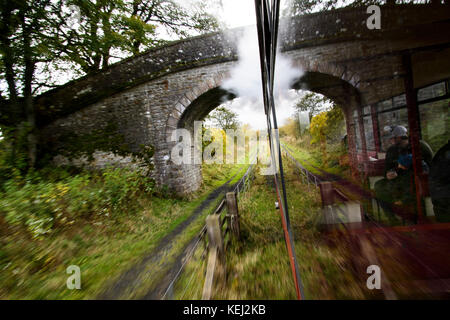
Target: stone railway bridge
<point x="144" y="98"/>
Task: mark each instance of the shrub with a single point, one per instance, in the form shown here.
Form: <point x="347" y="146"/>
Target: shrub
<point x="39" y="203"/>
<point x="29" y="205"/>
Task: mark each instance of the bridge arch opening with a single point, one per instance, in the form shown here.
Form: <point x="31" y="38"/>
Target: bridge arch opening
<point x="337" y="90"/>
<point x="188" y="177"/>
<point x="203" y="105"/>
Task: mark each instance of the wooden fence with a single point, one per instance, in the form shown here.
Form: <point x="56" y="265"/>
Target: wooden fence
<point x="221" y="226"/>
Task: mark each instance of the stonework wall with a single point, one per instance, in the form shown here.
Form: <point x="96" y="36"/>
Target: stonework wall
<point x="142" y="115"/>
<point x="102" y="160"/>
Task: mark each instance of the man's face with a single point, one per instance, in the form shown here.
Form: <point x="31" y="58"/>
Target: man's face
<point x="391" y="141"/>
<point x="401" y="141"/>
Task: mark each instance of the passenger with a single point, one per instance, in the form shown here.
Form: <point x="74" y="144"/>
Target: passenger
<point x="396" y="187"/>
<point x="388" y="137"/>
<point x="440" y="183"/>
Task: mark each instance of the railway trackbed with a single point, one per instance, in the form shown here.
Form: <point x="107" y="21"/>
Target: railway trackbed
<point x="149" y="278"/>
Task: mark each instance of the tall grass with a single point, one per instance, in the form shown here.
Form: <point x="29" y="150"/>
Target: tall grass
<point x="104" y="222"/>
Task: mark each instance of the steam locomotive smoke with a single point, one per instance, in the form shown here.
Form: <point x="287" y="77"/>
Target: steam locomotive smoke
<point x="245" y="77"/>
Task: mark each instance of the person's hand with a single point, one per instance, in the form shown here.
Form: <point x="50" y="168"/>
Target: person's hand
<point x="391" y="175"/>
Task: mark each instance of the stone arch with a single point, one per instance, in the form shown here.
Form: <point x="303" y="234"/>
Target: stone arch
<point x="209" y="95"/>
<point x="346" y="95"/>
<point x="187" y="178"/>
<point x="344" y="50"/>
<point x="337" y="89"/>
<point x="188" y="98"/>
<point x="331" y="70"/>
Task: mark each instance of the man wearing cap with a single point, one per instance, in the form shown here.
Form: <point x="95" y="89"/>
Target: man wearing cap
<point x="396" y="187"/>
<point x="388" y="138"/>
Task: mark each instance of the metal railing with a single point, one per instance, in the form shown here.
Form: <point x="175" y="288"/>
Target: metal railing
<point x="306" y="175"/>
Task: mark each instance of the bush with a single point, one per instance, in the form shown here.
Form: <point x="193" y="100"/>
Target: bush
<point x="40" y="203"/>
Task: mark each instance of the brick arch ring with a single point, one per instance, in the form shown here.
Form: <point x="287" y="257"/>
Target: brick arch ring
<point x="180" y="106"/>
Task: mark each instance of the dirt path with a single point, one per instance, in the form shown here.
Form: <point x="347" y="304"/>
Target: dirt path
<point x="157" y="264"/>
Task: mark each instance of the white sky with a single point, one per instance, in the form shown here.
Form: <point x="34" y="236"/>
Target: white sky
<point x="255" y="116"/>
<point x="237" y="13"/>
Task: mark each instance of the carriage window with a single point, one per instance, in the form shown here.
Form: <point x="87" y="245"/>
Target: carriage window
<point x="399" y="101"/>
<point x="433" y="91"/>
<point x="357" y="135"/>
<point x="368" y="133"/>
<point x="368" y="129"/>
<point x="435" y="123"/>
<point x="384" y="105"/>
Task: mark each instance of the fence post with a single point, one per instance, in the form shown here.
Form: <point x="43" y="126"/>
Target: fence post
<point x="308" y="180"/>
<point x="233" y="214"/>
<point x="214" y="232"/>
<point x="326" y="193"/>
<point x="216" y="254"/>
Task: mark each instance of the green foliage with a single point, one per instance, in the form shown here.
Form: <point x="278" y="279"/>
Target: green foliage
<point x="224" y="118"/>
<point x="13" y="156"/>
<point x="318" y="127"/>
<point x="136" y="33"/>
<point x="321" y="146"/>
<point x="103" y="243"/>
<point x="127" y="26"/>
<point x="314" y="103"/>
<point x="39" y="203"/>
<point x="290" y="129"/>
<point x="75" y="145"/>
<point x="327" y="125"/>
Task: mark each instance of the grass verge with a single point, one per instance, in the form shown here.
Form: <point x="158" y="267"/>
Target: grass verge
<point x="103" y="247"/>
<point x="258" y="266"/>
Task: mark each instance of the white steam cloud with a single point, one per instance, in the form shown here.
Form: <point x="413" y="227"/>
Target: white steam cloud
<point x="245" y="81"/>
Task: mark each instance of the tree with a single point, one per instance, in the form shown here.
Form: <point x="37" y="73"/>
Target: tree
<point x="224" y="118"/>
<point x="25" y="31"/>
<point x="327" y="125"/>
<point x="88" y="43"/>
<point x="118" y="28"/>
<point x="313" y="103"/>
<point x="291" y="128"/>
<point x="171" y="16"/>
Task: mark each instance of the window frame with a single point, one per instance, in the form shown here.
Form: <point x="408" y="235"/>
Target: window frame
<point x="405" y="106"/>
